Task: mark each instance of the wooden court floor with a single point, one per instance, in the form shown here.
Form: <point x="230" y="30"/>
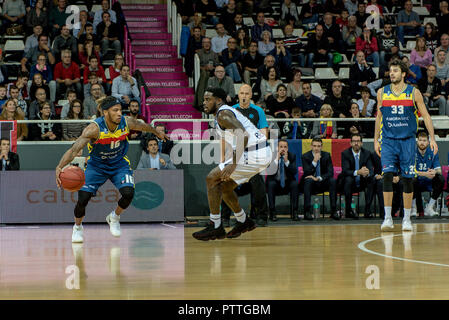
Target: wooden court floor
<point x="163" y="261"/>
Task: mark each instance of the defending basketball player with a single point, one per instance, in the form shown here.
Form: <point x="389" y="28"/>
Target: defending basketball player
<point x="395" y="138"/>
<point x="107" y="141"/>
<point x="250" y="156"/>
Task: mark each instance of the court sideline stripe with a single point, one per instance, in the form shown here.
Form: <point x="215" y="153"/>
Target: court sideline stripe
<point x="167" y="225"/>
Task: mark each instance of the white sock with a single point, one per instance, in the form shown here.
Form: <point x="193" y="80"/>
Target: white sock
<point x="114" y="215"/>
<point x="78" y="226"/>
<point x="387" y="212"/>
<point x="240" y="216"/>
<point x="216" y="219"/>
<point x="432" y="203"/>
<point x="407" y="213"/>
<point x="414" y="203"/>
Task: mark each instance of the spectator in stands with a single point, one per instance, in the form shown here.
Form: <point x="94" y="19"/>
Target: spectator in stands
<point x="31" y="41"/>
<point x="153" y="159"/>
<point x="208" y="61"/>
<point x="318" y="177"/>
<point x="360" y="73"/>
<point x="289" y="14"/>
<point x="70" y="97"/>
<point x="361" y="15"/>
<point x="331" y="32"/>
<point x="294" y="45"/>
<point x="71" y="131"/>
<point x="414" y="72"/>
<point x="194" y="45"/>
<point x="13" y="13"/>
<point x="87" y="52"/>
<point x="351" y="6"/>
<point x="429" y="176"/>
<point x="36" y="82"/>
<point x="44" y="69"/>
<point x="367" y="43"/>
<point x="421" y="55"/>
<point x="335" y="7"/>
<point x="364" y="128"/>
<point x="84" y="38"/>
<point x="134" y="109"/>
<point x="92" y="79"/>
<point x="242" y="41"/>
<point x="21" y="83"/>
<point x="237" y="24"/>
<point x="356" y="176"/>
<point x="67" y="75"/>
<point x="310" y="13"/>
<point x="41" y="98"/>
<point x="297" y="129"/>
<point x="339" y="103"/>
<point x="325" y="129"/>
<point x="228" y="14"/>
<point x="45" y="131"/>
<point x="125" y="87"/>
<point x="221" y="80"/>
<point x="309" y="104"/>
<point x="30" y="58"/>
<point x="11" y="111"/>
<point x="57" y="18"/>
<point x="165" y="146"/>
<point x="114" y="70"/>
<point x="96" y="68"/>
<point x="22" y="104"/>
<point x="9" y="160"/>
<point x="280" y="105"/>
<point x="444" y="47"/>
<point x="197" y="23"/>
<point x="269" y="84"/>
<point x="90" y="105"/>
<point x="350" y="33"/>
<point x="185" y="9"/>
<point x="251" y="62"/>
<point x="388" y="45"/>
<point x="366" y="105"/>
<point x="259" y="27"/>
<point x="230" y="58"/>
<point x="343" y="21"/>
<point x="219" y="42"/>
<point x="65" y="41"/>
<point x="431" y="89"/>
<point x="3" y="95"/>
<point x="98" y="17"/>
<point x="294" y="88"/>
<point x="442" y="68"/>
<point x="108" y="32"/>
<point x="283" y="181"/>
<point x="409" y="23"/>
<point x="318" y="48"/>
<point x="37" y="16"/>
<point x="246" y="6"/>
<point x="266" y="44"/>
<point x="283" y="58"/>
<point x="83" y="23"/>
<point x="443" y="18"/>
<point x="431" y="36"/>
<point x="208" y="9"/>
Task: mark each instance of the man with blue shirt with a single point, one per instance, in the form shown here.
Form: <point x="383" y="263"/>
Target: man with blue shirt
<point x="309" y="104"/>
<point x="429" y="177"/>
<point x="255" y="185"/>
<point x="409" y="23"/>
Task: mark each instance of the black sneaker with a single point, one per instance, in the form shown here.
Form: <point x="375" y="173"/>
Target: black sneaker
<point x="225" y="223"/>
<point x="261" y="222"/>
<point x="210" y="232"/>
<point x="240" y="228"/>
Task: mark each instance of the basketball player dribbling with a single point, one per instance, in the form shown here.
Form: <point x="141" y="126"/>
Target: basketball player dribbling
<point x="107" y="141"/>
<point x="395" y="138"/>
<point x="249" y="158"/>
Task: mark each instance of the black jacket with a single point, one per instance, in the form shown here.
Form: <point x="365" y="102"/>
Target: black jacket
<point x="348" y="161"/>
<point x="290" y="171"/>
<point x="356" y="75"/>
<point x="12" y="163"/>
<point x="326" y="167"/>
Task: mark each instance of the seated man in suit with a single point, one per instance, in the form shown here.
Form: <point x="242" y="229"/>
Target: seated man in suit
<point x="154" y="160"/>
<point x="284" y="181"/>
<point x="429" y="177"/>
<point x="357" y="175"/>
<point x="318" y="177"/>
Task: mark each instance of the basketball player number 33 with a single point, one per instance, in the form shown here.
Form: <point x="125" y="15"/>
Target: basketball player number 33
<point x="397" y="109"/>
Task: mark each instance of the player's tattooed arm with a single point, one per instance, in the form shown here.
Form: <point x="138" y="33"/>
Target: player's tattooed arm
<point x="227" y="120"/>
<point x="133" y="124"/>
<point x="90" y="133"/>
<point x="377" y="123"/>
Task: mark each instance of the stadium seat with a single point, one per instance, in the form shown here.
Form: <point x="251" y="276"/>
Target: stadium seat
<point x="277" y="33"/>
<point x="14" y="45"/>
<point x="210" y="33"/>
<point x="248" y="21"/>
<point x="431" y="19"/>
<point x="107" y="74"/>
<point x="96" y="7"/>
<point x="317" y="90"/>
<point x="325" y="74"/>
<point x="298" y="32"/>
<point x="376" y="71"/>
<point x="343" y="73"/>
<point x="82" y="7"/>
<point x="422" y="11"/>
<point x="410" y="45"/>
<point x="237" y="87"/>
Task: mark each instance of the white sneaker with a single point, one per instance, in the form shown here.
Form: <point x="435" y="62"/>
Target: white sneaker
<point x="387" y="225"/>
<point x="407" y="225"/>
<point x="414" y="212"/>
<point x="114" y="225"/>
<point x="428" y="211"/>
<point x="77" y="234"/>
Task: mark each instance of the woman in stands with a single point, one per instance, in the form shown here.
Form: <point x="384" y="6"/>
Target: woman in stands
<point x="37" y="16"/>
<point x="45" y="131"/>
<point x="44" y="69"/>
<point x="38" y="82"/>
<point x="88" y="50"/>
<point x="280" y="105"/>
<point x="325" y="129"/>
<point x="431" y="36"/>
<point x="269" y="84"/>
<point x="421" y="55"/>
<point x="266" y="45"/>
<point x="243" y="41"/>
<point x="11" y="111"/>
<point x="294" y="88"/>
<point x="71" y="131"/>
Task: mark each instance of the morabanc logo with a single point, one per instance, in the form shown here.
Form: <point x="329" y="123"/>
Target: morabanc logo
<point x="148" y="195"/>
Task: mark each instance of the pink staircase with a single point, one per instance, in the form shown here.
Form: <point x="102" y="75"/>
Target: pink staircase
<point x="157" y="59"/>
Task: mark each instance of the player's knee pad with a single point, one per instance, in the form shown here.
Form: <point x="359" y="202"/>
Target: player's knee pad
<point x="407" y="184"/>
<point x="388" y="182"/>
<point x="83" y="200"/>
<point x="127" y="197"/>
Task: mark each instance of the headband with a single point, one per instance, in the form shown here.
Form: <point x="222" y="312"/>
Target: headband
<point x="110" y="104"/>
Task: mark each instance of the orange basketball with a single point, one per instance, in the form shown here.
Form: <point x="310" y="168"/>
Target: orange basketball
<point x="72" y="178"/>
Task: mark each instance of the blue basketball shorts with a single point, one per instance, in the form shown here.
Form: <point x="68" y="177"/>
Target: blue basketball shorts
<point x="398" y="156"/>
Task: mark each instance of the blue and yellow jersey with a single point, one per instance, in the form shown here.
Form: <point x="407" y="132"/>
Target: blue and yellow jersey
<point x="426" y="162"/>
<point x="110" y="148"/>
<point x="399" y="113"/>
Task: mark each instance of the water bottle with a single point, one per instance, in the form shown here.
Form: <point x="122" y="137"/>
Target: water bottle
<point x="316" y="208"/>
<point x="353" y="206"/>
<point x="343" y="208"/>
